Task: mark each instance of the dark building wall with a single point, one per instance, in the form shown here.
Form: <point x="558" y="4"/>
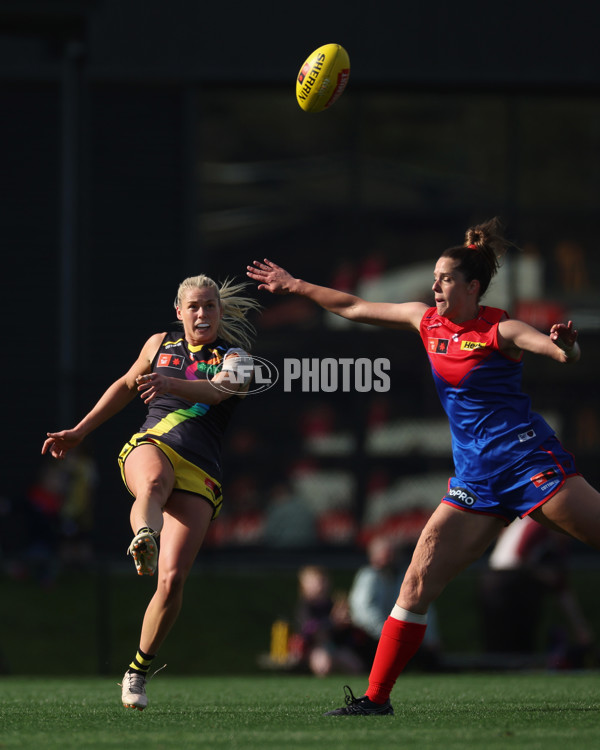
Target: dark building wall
<point x="515" y="42"/>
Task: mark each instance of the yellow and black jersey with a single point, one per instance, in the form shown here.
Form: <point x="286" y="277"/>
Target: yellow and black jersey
<point x="194" y="431"/>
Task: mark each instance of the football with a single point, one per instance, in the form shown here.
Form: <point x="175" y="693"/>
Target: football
<point x="322" y="78"/>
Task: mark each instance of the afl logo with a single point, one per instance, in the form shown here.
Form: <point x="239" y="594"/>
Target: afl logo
<point x="303" y="72"/>
<point x="258" y="372"/>
<point x="265" y="375"/>
<point x="460" y="495"/>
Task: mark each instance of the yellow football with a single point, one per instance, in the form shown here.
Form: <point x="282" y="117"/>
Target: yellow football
<point x="322" y="78"/>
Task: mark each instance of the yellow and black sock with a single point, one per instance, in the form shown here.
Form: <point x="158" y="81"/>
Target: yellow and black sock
<point x="141" y="662"/>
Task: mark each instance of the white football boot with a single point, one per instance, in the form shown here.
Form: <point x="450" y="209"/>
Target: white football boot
<point x="144" y="550"/>
<point x="133" y="693"/>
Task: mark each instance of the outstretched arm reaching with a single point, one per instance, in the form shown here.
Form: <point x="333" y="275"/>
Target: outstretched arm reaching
<point x="275" y="279"/>
<point x="560" y="344"/>
<point x="115" y="398"/>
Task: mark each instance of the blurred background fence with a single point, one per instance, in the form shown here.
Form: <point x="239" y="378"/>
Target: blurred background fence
<point x="143" y="141"/>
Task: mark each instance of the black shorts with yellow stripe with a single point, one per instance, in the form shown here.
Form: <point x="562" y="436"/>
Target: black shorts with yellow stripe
<point x="188" y="477"/>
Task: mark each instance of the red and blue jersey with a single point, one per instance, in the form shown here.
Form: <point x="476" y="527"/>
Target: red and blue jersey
<point x="491" y="421"/>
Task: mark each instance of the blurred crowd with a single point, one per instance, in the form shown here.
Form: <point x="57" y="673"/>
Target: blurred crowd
<point x="528" y="612"/>
<point x="49" y="527"/>
<point x="336" y="631"/>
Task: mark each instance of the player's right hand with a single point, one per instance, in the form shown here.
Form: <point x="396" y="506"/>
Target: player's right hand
<point x="271" y="277"/>
<point x="60" y="443"/>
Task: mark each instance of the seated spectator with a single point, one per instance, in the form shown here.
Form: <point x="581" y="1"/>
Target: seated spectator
<point x="373" y="594"/>
<point x="325" y="639"/>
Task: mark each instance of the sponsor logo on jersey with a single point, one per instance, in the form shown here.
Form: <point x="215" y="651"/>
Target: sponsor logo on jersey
<point x="545" y="480"/>
<point x="438" y="346"/>
<point x="462" y="496"/>
<point x="472" y="344"/>
<point x="171" y="344"/>
<point x="525" y="436"/>
<point x="170" y="360"/>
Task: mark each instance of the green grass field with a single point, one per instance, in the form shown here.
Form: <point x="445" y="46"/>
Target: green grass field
<point x="533" y="711"/>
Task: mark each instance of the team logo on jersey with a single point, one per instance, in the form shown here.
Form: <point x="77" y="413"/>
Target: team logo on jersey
<point x="170" y="360"/>
<point x="472" y="344"/>
<point x="546" y="479"/>
<point x="438" y="346"/>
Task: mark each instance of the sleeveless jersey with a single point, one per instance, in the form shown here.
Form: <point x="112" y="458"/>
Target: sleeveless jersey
<point x="491" y="421"/>
<point x="194" y="431"/>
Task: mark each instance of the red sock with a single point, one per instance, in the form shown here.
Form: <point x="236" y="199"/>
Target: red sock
<point x="398" y="643"/>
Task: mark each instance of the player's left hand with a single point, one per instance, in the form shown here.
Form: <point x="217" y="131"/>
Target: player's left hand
<point x="564" y="335"/>
<point x="151" y="385"/>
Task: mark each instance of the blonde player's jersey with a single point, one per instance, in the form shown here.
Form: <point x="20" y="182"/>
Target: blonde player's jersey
<point x="194" y="431"/>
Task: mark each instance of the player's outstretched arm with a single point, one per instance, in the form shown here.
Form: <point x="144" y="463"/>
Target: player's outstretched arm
<point x="113" y="400"/>
<point x="560" y="344"/>
<point x="272" y="278"/>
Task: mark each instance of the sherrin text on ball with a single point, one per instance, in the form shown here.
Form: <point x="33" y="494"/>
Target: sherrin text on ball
<point x="322" y="78"/>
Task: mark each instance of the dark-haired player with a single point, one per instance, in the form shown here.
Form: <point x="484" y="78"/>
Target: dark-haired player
<point x="508" y="462"/>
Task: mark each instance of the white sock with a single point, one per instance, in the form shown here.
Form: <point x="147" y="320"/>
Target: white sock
<point x="398" y="613"/>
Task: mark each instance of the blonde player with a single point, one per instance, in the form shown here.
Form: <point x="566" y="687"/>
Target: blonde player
<point x="191" y="380"/>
